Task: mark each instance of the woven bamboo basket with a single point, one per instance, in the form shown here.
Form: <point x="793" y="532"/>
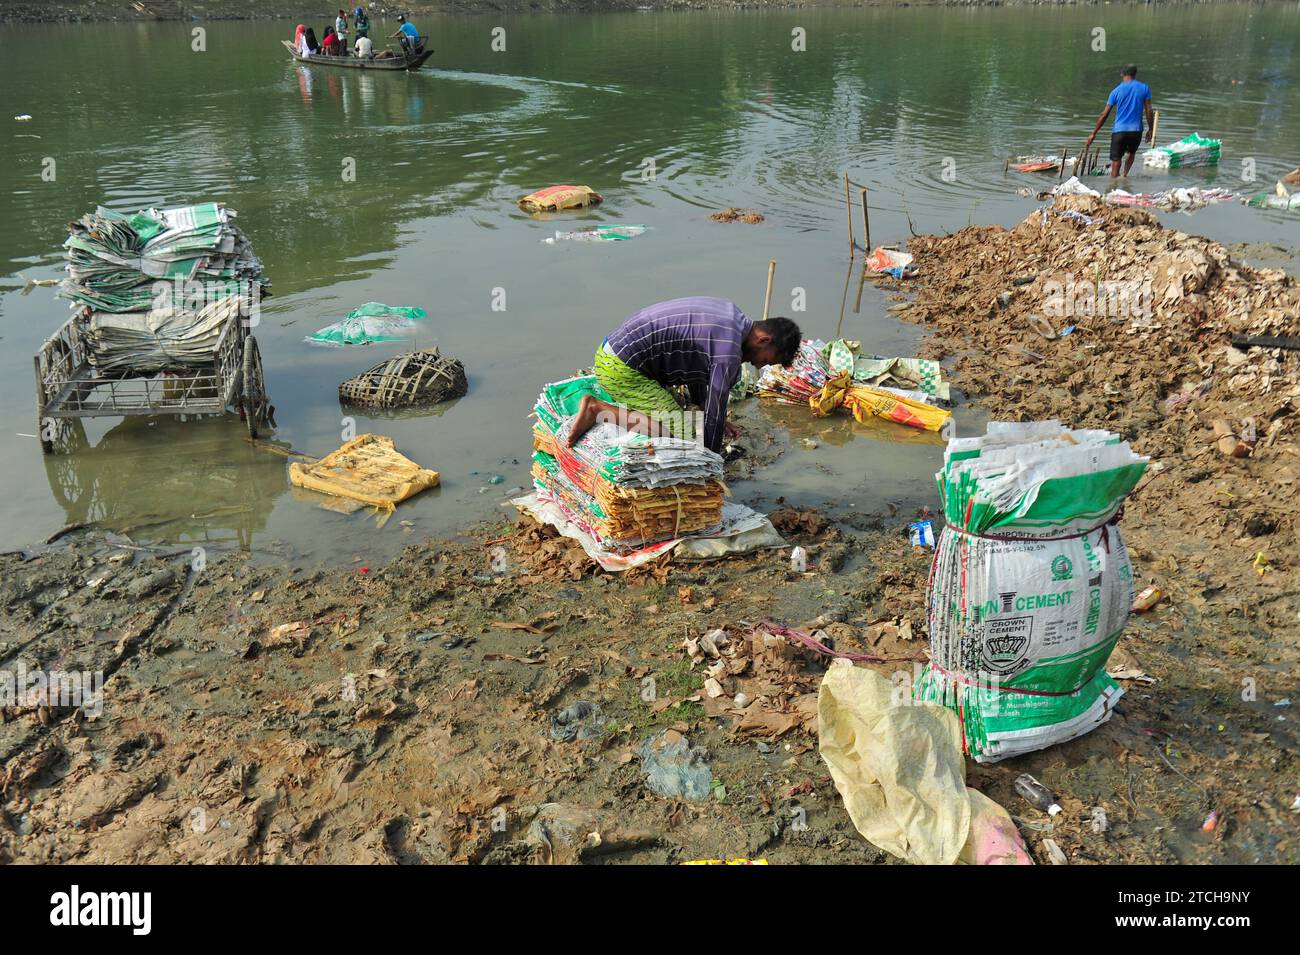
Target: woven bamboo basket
<point x="423" y="377"/>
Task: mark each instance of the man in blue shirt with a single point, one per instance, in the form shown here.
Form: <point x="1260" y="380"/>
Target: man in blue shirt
<point x="1131" y="101"/>
<point x="410" y="36"/>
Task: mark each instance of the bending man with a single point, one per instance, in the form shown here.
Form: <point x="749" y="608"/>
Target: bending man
<point x="696" y="342"/>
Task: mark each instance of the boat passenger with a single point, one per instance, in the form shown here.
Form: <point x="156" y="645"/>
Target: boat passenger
<point x="365" y="48"/>
<point x="331" y="42"/>
<point x="409" y="36"/>
<point x="341" y="31"/>
<point x="361" y="22"/>
<point x="309" y="39"/>
<point x="300" y="40"/>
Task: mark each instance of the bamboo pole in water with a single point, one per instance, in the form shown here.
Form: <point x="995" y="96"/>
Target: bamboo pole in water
<point x="866" y="223"/>
<point x="1155" y="124"/>
<point x="1061" y="174"/>
<point x="848" y="210"/>
<point x="767" y="298"/>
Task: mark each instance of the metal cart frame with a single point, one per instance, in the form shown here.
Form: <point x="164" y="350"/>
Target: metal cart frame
<point x="68" y="386"/>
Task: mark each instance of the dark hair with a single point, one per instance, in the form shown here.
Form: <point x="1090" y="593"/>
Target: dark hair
<point x="785" y="337"/>
<point x="1129" y="70"/>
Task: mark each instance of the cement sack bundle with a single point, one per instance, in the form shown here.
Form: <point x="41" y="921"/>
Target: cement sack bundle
<point x="1193" y="150"/>
<point x="163" y="338"/>
<point x="1031" y="585"/>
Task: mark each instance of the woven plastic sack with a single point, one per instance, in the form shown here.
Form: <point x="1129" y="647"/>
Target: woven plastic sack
<point x="368" y="469"/>
<point x="554" y="198"/>
<point x="1031" y="585"/>
<point x="371" y="322"/>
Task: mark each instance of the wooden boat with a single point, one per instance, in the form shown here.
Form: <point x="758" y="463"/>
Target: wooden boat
<point x="398" y="61"/>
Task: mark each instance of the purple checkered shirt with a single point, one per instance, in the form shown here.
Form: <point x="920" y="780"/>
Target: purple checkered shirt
<point x="688" y="341"/>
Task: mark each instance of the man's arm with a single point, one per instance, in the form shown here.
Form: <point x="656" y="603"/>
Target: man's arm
<point x="1100" y="121"/>
<point x="715" y="407"/>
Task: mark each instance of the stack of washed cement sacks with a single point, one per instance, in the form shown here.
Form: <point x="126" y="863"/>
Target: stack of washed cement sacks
<point x="625" y="490"/>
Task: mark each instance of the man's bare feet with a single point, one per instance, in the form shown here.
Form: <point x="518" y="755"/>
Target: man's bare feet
<point x="588" y="409"/>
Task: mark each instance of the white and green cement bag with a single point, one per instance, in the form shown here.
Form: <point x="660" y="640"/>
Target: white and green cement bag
<point x="1031" y="584"/>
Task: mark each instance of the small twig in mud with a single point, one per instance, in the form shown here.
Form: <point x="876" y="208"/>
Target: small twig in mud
<point x="1204" y="792"/>
<point x="910" y="228"/>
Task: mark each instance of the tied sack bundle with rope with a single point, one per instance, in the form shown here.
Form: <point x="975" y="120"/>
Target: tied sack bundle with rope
<point x="1031" y="584"/>
<point x="864" y="402"/>
<point x="413" y="379"/>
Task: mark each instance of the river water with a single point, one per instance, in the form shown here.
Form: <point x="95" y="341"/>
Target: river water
<point x="670" y="116"/>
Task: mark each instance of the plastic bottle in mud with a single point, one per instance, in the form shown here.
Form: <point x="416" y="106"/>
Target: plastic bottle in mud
<point x="799" y="560"/>
<point x="1036" y="794"/>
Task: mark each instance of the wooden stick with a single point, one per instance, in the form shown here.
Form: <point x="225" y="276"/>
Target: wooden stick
<point x="1155" y="124"/>
<point x="767" y="299"/>
<point x="866" y="222"/>
<point x="844" y="298"/>
<point x="1006" y="166"/>
<point x="1061" y="175"/>
<point x="848" y="210"/>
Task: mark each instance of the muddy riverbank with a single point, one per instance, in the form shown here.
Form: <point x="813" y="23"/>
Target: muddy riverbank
<point x="418" y="712"/>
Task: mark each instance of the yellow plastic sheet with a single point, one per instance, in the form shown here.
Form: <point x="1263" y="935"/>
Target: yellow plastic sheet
<point x="899" y="768"/>
<point x="367" y="469"/>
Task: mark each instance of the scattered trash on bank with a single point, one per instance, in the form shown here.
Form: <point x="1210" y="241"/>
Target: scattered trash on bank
<point x="367" y="469"/>
<point x="1179" y="199"/>
<point x="557" y="198"/>
<point x="1270" y="200"/>
<point x="902" y="776"/>
<point x="369" y="323"/>
<point x="891" y="262"/>
<point x="412" y="379"/>
<point x="1285" y="194"/>
<point x="1148" y="598"/>
<point x="674" y="769"/>
<point x="1170" y="200"/>
<point x="582" y="720"/>
<point x="1032" y="584"/>
<point x="1073" y="187"/>
<point x="1036" y="794"/>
